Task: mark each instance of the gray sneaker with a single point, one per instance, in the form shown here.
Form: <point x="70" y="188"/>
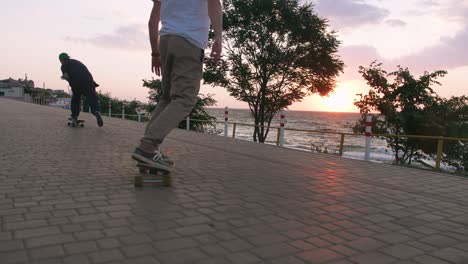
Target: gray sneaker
<point x="155" y="159"/>
<point x="166" y="158"/>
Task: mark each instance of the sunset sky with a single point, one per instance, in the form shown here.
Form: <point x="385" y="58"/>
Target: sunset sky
<point x="110" y="37"/>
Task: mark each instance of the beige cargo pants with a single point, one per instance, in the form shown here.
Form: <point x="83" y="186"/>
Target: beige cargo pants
<point x="182" y="71"/>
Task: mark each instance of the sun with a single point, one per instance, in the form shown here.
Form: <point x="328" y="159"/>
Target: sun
<point x="340" y="100"/>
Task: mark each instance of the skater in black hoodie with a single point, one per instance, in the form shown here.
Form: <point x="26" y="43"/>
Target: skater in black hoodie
<point x="82" y="83"/>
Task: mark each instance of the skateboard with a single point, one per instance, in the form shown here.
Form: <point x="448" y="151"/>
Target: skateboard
<point x="76" y="123"/>
<point x="152" y="175"/>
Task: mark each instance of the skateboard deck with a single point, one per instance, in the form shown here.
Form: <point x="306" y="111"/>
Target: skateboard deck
<point x="153" y="175"/>
<point x="76" y="123"/>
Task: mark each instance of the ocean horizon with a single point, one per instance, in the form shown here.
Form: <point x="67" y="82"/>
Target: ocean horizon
<point x="340" y="122"/>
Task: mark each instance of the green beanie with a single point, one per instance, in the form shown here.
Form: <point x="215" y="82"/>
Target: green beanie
<point x="63" y="56"/>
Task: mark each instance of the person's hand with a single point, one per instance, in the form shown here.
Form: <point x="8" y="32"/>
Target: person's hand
<point x="156" y="63"/>
<point x="217" y="48"/>
<point x="65" y="76"/>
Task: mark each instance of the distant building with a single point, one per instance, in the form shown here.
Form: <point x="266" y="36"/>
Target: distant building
<point x="25" y="90"/>
<point x="64" y="103"/>
<point x="58" y="92"/>
<point x="15" y="88"/>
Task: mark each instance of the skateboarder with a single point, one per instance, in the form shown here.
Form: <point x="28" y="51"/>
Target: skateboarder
<point x="177" y="54"/>
<point x="82" y="83"/>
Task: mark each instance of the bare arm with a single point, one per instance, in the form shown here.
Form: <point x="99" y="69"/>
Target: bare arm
<point x="153" y="26"/>
<point x="216" y="16"/>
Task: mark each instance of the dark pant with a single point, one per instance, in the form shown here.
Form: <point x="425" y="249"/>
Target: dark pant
<point x="90" y="93"/>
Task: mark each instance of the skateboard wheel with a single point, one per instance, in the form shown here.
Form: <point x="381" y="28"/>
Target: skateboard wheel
<point x="138" y="181"/>
<point x="167" y="181"/>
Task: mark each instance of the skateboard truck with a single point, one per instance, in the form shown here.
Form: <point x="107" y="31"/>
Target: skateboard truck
<point x="157" y="176"/>
<point x="76" y="123"/>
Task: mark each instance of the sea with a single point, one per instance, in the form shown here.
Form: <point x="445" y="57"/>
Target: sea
<point x="354" y="146"/>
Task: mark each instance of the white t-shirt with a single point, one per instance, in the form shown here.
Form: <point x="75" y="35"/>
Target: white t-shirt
<point x="186" y="18"/>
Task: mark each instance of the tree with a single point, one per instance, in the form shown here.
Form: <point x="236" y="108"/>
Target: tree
<point x="202" y="121"/>
<point x="448" y="117"/>
<point x="104" y="99"/>
<point x="116" y="105"/>
<point x="410" y="106"/>
<point x="401" y="104"/>
<point x="277" y="52"/>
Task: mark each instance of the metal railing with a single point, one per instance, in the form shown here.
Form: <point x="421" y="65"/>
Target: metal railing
<point x="440" y="139"/>
<point x="280" y="130"/>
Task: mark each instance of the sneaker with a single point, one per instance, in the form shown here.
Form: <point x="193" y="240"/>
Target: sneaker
<point x="165" y="158"/>
<point x="99" y="119"/>
<point x="153" y="159"/>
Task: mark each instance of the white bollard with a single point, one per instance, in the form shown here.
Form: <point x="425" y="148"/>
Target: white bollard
<point x="282" y="122"/>
<point x="187" y="123"/>
<point x="110" y="110"/>
<point x="368" y="136"/>
<point x="139" y="117"/>
<point x="226" y="119"/>
<point x="123" y="112"/>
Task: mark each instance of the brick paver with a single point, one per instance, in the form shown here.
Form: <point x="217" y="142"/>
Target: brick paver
<point x="67" y="196"/>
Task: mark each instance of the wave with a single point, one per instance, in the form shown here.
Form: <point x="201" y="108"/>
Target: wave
<point x="307" y="141"/>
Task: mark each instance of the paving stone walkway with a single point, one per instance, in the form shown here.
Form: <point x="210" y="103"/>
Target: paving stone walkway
<point x="67" y="196"/>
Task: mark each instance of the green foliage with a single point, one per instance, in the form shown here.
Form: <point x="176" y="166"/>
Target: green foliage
<point x="117" y="105"/>
<point x="448" y="117"/>
<point x="323" y="148"/>
<point x="276" y="53"/>
<point x="409" y="106"/>
<point x="201" y="120"/>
